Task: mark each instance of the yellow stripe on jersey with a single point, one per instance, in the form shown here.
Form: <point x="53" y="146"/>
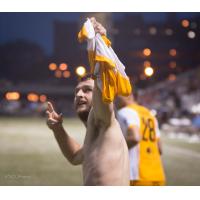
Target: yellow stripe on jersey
<point x="147" y="183"/>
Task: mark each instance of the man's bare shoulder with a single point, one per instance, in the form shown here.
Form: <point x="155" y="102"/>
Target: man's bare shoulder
<point x="96" y="126"/>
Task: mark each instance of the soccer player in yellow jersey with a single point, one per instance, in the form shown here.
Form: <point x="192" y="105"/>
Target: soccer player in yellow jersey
<point x="140" y="129"/>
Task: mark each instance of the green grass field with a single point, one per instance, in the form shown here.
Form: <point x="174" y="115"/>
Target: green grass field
<point x="29" y="155"/>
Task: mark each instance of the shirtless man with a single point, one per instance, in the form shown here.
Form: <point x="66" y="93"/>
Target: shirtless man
<point x="104" y="154"/>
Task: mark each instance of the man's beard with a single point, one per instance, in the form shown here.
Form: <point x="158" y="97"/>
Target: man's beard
<point x="84" y="115"/>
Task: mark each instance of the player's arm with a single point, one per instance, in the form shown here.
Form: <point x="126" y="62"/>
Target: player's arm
<point x="103" y="112"/>
<point x="69" y="147"/>
<point x="130" y="122"/>
<point x="133" y="136"/>
<point x="159" y="146"/>
<point x="159" y="143"/>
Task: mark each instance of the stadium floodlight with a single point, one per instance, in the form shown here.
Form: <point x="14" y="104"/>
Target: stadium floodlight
<point x="52" y="66"/>
<point x="148" y="71"/>
<point x="12" y="96"/>
<point x="147" y="52"/>
<point x="80" y="71"/>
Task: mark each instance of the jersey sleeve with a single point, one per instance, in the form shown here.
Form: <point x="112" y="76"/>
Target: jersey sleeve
<point x="128" y="118"/>
<point x="157" y="129"/>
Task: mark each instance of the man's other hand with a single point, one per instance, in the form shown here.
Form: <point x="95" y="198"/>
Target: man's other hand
<point x="54" y="120"/>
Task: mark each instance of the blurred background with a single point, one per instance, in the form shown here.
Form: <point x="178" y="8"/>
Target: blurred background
<point x="41" y="59"/>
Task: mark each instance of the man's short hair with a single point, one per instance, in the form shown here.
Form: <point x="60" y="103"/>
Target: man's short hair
<point x="86" y="77"/>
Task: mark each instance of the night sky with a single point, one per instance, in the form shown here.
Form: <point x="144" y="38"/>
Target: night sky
<point x="38" y="27"/>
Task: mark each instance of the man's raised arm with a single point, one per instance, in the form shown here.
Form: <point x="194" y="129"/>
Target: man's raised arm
<point x="103" y="112"/>
<point x="69" y="147"/>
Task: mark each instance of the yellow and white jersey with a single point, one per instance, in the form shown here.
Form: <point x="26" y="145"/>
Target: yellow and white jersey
<point x="106" y="67"/>
<point x="145" y="161"/>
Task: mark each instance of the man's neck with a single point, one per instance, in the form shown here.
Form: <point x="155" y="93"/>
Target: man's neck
<point x="130" y="102"/>
<point x="85" y="123"/>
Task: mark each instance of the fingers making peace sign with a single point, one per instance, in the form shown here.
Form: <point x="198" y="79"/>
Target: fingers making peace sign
<point x="54" y="120"/>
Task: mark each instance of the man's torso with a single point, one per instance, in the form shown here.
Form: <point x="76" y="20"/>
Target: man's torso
<point x="106" y="159"/>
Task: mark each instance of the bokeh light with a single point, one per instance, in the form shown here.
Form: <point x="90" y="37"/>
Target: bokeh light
<point x="147" y="63"/>
<point x="52" y="66"/>
<point x="172" y="52"/>
<point x="147" y="52"/>
<point x="185" y="23"/>
<point x="148" y="71"/>
<point x="172" y="77"/>
<point x="152" y="30"/>
<point x="80" y="71"/>
<point x="172" y="64"/>
<point x="169" y="32"/>
<point x="63" y="66"/>
<point x="58" y="74"/>
<point x="43" y="98"/>
<point x="12" y="96"/>
<point x="191" y="34"/>
<point x="66" y="74"/>
<point x="33" y="97"/>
